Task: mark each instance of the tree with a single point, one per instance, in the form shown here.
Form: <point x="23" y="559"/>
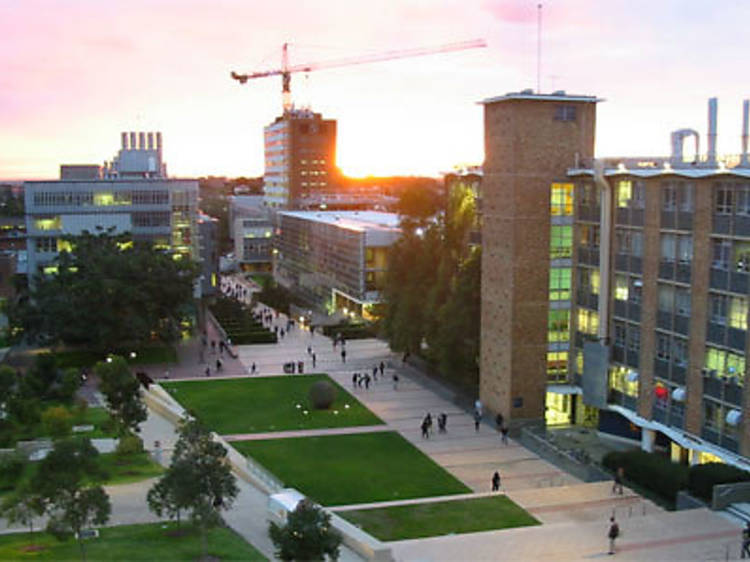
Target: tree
<point x="122" y="391"/>
<point x="198" y="481"/>
<point x="108" y="292"/>
<point x="63" y="482"/>
<point x="22" y="507"/>
<point x="307" y="535"/>
<point x="58" y="421"/>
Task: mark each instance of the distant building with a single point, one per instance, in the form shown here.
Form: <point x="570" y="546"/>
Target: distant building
<point x="251" y="230"/>
<point x="208" y="229"/>
<point x="133" y="195"/>
<point x="335" y="258"/>
<point x="300" y="156"/>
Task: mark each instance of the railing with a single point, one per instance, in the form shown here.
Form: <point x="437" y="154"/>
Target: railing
<point x="574" y="461"/>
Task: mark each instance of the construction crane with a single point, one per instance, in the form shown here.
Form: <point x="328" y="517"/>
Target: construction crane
<point x="286" y="70"/>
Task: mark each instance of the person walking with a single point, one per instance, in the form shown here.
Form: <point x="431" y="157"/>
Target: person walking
<point x="617" y="484"/>
<point x="425" y="429"/>
<point x="746" y="541"/>
<point x="208" y="371"/>
<point x="395" y="381"/>
<point x="252" y="368"/>
<point x="314" y="358"/>
<point x="477" y="419"/>
<point x="382" y="368"/>
<point x="499" y="419"/>
<point x="612" y="534"/>
<point x="343" y="355"/>
<point x="504" y="434"/>
<point x="442" y="422"/>
<point x="496" y="482"/>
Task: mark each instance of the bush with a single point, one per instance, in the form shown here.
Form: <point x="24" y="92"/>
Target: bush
<point x="651" y="471"/>
<point x="57" y="421"/>
<point x="703" y="477"/>
<point x="351" y="331"/>
<point x="322" y="394"/>
<point x="129" y="445"/>
<point x="11" y="468"/>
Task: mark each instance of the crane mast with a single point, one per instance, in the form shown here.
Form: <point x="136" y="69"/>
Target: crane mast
<point x="286" y="70"/>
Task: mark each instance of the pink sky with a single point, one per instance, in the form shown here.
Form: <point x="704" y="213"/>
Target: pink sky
<point x="75" y="73"/>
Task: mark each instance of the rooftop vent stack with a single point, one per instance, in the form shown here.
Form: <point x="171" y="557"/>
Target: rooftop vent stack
<point x="132" y="140"/>
<point x="745" y="127"/>
<point x="124" y="140"/>
<point x="151" y="141"/>
<point x="142" y="140"/>
<point x="678" y="144"/>
<point x="712" y="105"/>
<point x="158" y="141"/>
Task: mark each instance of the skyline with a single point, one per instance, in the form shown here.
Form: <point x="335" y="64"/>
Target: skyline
<point x="76" y="74"/>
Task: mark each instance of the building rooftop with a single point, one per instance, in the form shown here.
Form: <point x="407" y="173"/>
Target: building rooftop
<point x="558" y="95"/>
<point x="361" y="221"/>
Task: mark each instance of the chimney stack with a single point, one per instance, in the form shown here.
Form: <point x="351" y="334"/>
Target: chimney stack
<point x="132" y="141"/>
<point x="124" y="140"/>
<point x="712" y="107"/>
<point x="151" y="141"/>
<point x="142" y="140"/>
<point x="745" y="127"/>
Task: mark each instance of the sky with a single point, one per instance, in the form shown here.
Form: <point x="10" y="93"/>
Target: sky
<point x="75" y="73"/>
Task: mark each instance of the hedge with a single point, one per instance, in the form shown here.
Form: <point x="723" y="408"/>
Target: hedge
<point x="651" y="471"/>
<point x="239" y="323"/>
<point x="704" y="477"/>
<point x="351" y="331"/>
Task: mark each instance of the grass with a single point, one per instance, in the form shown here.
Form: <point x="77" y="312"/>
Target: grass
<point x="356" y="468"/>
<point x="440" y="518"/>
<point x="255" y="405"/>
<point x="156" y="541"/>
<point x="98" y="417"/>
<point x="79" y="358"/>
<point x="133" y="468"/>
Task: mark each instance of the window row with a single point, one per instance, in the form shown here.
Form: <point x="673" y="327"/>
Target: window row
<point x="731" y="197"/>
<point x="561" y="199"/>
<point x="559" y="283"/>
<point x="673" y="348"/>
<point x="561" y="241"/>
<point x="730" y="254"/>
<point x="728" y="310"/>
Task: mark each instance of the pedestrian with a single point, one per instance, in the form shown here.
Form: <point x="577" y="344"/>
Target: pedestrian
<point x="218" y="365"/>
<point x="343" y="355"/>
<point x="617" y="485"/>
<point x="746" y="541"/>
<point x="425" y="429"/>
<point x="355" y="379"/>
<point x="252" y="368"/>
<point x="367" y="382"/>
<point x="314" y="358"/>
<point x="375" y="373"/>
<point x="477" y="420"/>
<point x="395" y="381"/>
<point x="478" y="407"/>
<point x="499" y="419"/>
<point x="428" y="419"/>
<point x="208" y="371"/>
<point x="309" y="350"/>
<point x="281" y="333"/>
<point x="496" y="481"/>
<point x="382" y="368"/>
<point x="614" y="532"/>
<point x="504" y="432"/>
<point x="213" y="346"/>
<point x="442" y="422"/>
<point x="221" y="347"/>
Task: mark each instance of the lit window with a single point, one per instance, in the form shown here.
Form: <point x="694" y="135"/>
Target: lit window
<point x="588" y="321"/>
<point x="621" y="287"/>
<point x="50" y="223"/>
<point x="559" y="284"/>
<point x="558" y="326"/>
<point x="738" y="313"/>
<point x="561" y="199"/>
<point x="624" y="193"/>
<point x="561" y="241"/>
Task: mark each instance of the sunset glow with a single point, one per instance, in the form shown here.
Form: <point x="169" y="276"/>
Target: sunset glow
<point x="75" y="74"/>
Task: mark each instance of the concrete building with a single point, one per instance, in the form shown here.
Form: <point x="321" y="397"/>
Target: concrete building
<point x="527" y="206"/>
<point x="134" y="195"/>
<point x="337" y="259"/>
<point x="208" y="230"/>
<point x="300" y="157"/>
<point x="251" y="229"/>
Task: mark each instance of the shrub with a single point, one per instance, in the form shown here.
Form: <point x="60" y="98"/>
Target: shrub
<point x="11" y="468"/>
<point x="322" y="394"/>
<point x="650" y="470"/>
<point x="57" y="421"/>
<point x="703" y="477"/>
<point x="129" y="445"/>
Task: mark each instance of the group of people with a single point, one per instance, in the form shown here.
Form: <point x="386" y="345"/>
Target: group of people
<point x="235" y="289"/>
<point x="426" y="426"/>
<point x="360" y="379"/>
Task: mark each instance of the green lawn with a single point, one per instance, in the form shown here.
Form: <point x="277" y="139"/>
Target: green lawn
<point x="255" y="405"/>
<point x="133" y="468"/>
<point x="98" y="417"/>
<point x="357" y="468"/>
<point x="158" y="541"/>
<point x="440" y="518"/>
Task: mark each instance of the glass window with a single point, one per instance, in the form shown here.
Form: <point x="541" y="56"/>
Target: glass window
<point x="679" y="351"/>
<point x="723" y="199"/>
<point x="738" y="313"/>
<point x="742" y="256"/>
<point x="663" y="346"/>
<point x="743" y="199"/>
<point x="682" y="301"/>
<point x="720" y="250"/>
<point x="668" y="247"/>
<point x="618" y="380"/>
<point x="634" y="338"/>
<point x="635" y="289"/>
<point x="621" y="287"/>
<point x="561" y="199"/>
<point x="685" y="192"/>
<point x="668" y="196"/>
<point x="588" y="321"/>
<point x="620" y="334"/>
<point x="718" y="305"/>
<point x="685" y="248"/>
<point x="565" y="113"/>
<point x="557" y="365"/>
<point x="636" y="248"/>
<point x="624" y="193"/>
<point x="561" y="241"/>
<point x="558" y="326"/>
<point x="559" y="283"/>
<point x="638" y="200"/>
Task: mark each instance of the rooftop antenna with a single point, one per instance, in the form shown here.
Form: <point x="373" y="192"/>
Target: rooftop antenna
<point x="538" y="47"/>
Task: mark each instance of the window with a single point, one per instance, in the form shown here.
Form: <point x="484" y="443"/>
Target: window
<point x="743" y="199"/>
<point x="624" y="193"/>
<point x="666" y="298"/>
<point x="634" y="338"/>
<point x="635" y="289"/>
<point x="682" y="301"/>
<point x="668" y="247"/>
<point x="589" y="235"/>
<point x="668" y="196"/>
<point x="720" y="251"/>
<point x="679" y="351"/>
<point x="685" y="192"/>
<point x="620" y="334"/>
<point x="558" y="324"/>
<point x="588" y="195"/>
<point x="742" y="256"/>
<point x="684" y="248"/>
<point x="565" y="113"/>
<point x="48" y="223"/>
<point x="723" y="199"/>
<point x="559" y="283"/>
<point x="557" y="364"/>
<point x="561" y="241"/>
<point x="46" y="244"/>
<point x="621" y="287"/>
<point x="738" y="313"/>
<point x="718" y="305"/>
<point x="663" y="346"/>
<point x="618" y="380"/>
<point x="725" y="363"/>
<point x="561" y="199"/>
<point x="588" y="281"/>
<point x="638" y="200"/>
<point x="588" y="321"/>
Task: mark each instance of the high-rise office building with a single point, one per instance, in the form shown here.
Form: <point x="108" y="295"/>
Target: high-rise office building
<point x="300" y="158"/>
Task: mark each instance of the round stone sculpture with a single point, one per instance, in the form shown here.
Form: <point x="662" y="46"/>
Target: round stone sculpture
<point x="321" y="395"/>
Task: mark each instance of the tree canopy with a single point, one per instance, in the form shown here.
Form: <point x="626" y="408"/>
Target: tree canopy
<point x="432" y="291"/>
<point x="122" y="391"/>
<point x="307" y="535"/>
<point x="108" y="292"/>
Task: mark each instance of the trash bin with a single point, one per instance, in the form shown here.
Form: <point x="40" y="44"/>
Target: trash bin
<point x="300" y="367"/>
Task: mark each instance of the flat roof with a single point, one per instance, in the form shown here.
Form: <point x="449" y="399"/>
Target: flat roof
<point x="651" y="173"/>
<point x="559" y="95"/>
<point x="361" y="221"/>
